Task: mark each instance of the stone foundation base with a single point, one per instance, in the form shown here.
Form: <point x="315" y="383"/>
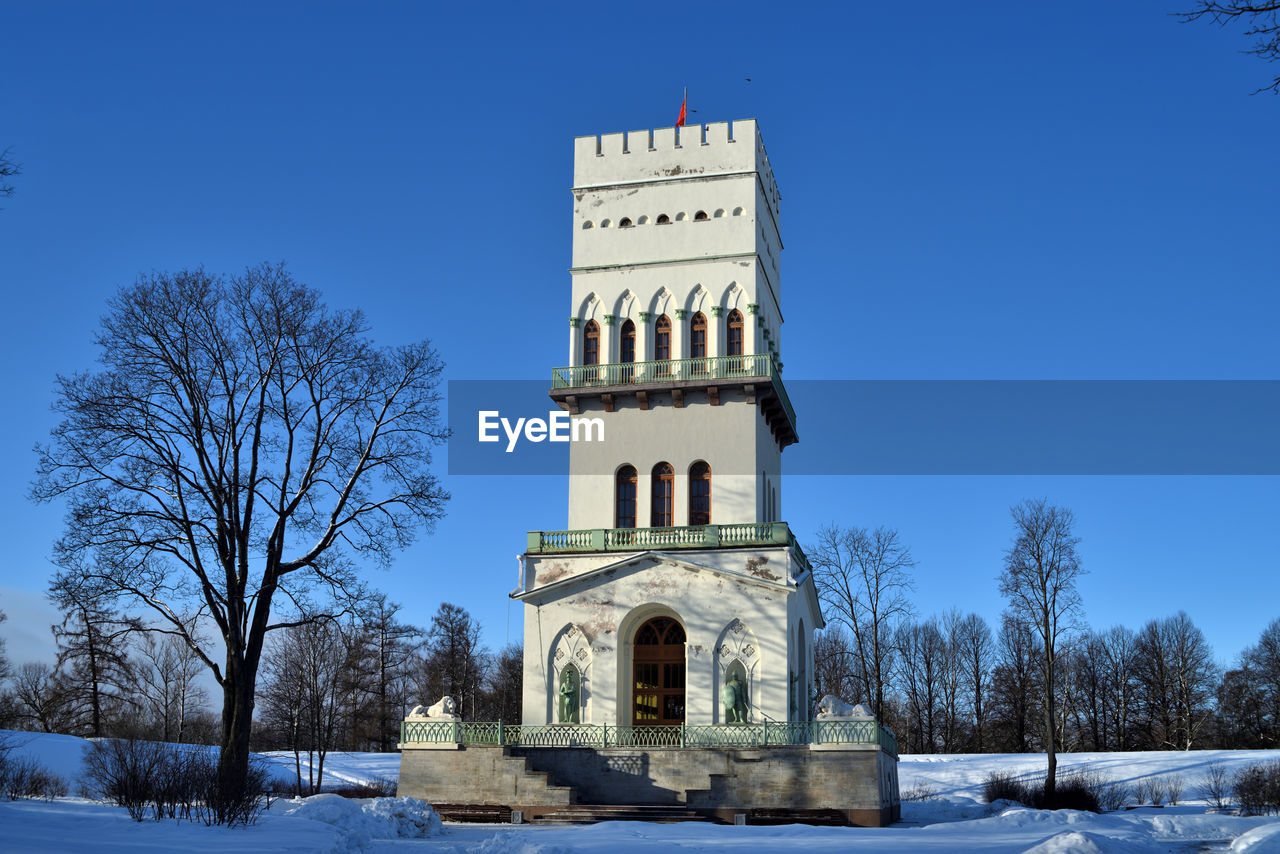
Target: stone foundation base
<point x="719" y="783"/>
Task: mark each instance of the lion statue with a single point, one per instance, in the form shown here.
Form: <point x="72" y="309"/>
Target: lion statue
<point x="445" y="708"/>
<point x="832" y="706"/>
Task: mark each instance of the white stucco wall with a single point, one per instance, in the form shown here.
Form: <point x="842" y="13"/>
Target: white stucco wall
<point x="732" y="438"/>
<point x="602" y="599"/>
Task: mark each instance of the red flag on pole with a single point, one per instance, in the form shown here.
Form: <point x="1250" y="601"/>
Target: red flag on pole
<point x="684" y="109"/>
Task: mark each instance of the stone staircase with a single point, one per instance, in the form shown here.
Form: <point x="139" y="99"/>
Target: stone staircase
<point x="540" y="780"/>
<point x="592" y="813"/>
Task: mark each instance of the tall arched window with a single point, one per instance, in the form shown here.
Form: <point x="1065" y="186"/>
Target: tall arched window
<point x="700" y="494"/>
<point x="625" y="498"/>
<point x="698" y="336"/>
<point x="735" y="334"/>
<point x="591" y="344"/>
<point x="628" y="342"/>
<point x="662" y="338"/>
<point x="663" y="490"/>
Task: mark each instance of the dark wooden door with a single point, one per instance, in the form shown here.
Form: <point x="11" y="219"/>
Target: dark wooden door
<point x="658" y="673"/>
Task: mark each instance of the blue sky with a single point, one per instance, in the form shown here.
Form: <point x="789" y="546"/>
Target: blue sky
<point x="970" y="191"/>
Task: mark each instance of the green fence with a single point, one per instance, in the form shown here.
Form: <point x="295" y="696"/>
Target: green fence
<point x="737" y="535"/>
<point x="766" y="734"/>
<point x="676" y="370"/>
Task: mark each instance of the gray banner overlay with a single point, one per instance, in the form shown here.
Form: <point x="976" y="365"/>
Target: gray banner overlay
<point x="1176" y="427"/>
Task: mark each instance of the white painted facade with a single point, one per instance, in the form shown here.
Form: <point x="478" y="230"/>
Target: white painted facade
<point x="675" y="223"/>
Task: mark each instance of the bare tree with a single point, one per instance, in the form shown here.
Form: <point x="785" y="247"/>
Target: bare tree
<point x="863" y="578"/>
<point x="304" y="681"/>
<point x="1262" y="20"/>
<point x="922" y="675"/>
<point x="391" y="647"/>
<point x="240" y="443"/>
<point x="456" y="662"/>
<point x="1119" y="651"/>
<point x="1175" y="667"/>
<point x="6" y="669"/>
<point x="93" y="655"/>
<point x="8" y="169"/>
<point x="504" y="685"/>
<point x="952" y="679"/>
<point x="1196" y="676"/>
<point x="1041" y="569"/>
<point x="836" y="666"/>
<point x="1014" y="684"/>
<point x="976" y="653"/>
<point x="8" y="703"/>
<point x="167" y="670"/>
<point x="1090" y="671"/>
<point x="41" y="698"/>
<point x="1262" y="662"/>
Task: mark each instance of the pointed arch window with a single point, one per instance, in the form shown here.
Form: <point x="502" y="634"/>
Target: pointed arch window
<point x="625" y="498"/>
<point x="698" y="336"/>
<point x="663" y="488"/>
<point x="700" y="493"/>
<point x="735" y="334"/>
<point x="627" y="346"/>
<point x="662" y="339"/>
<point x="591" y="343"/>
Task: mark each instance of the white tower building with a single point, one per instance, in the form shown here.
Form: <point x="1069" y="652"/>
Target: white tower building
<point x="676" y="572"/>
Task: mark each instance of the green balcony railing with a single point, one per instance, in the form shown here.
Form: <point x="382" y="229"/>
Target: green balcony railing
<point x="675" y="370"/>
<point x="758" y="735"/>
<point x="683" y="537"/>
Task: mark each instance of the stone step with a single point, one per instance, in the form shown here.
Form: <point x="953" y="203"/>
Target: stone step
<point x="592" y="813"/>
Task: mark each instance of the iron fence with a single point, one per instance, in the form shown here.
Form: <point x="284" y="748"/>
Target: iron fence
<point x="754" y="735"/>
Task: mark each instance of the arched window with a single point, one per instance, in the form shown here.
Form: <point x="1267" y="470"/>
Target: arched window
<point x="663" y="489"/>
<point x="700" y="494"/>
<point x="735" y="333"/>
<point x="663" y="219"/>
<point x="625" y="498"/>
<point x="627" y="345"/>
<point x="662" y="339"/>
<point x="591" y="343"/>
<point x="700" y="216"/>
<point x="698" y="336"/>
<point x="625" y="222"/>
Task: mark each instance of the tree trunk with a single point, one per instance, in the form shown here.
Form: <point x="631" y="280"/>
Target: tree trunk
<point x="233" y="761"/>
<point x="1050" y="777"/>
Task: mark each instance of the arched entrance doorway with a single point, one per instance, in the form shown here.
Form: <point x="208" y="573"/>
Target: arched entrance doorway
<point x="658" y="673"/>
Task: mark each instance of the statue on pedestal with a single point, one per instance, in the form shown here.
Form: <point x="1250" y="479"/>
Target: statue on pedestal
<point x="734" y="697"/>
<point x="568" y="711"/>
<point x="444" y="709"/>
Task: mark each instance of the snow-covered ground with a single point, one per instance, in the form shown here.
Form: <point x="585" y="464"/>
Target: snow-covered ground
<point x="952" y="819"/>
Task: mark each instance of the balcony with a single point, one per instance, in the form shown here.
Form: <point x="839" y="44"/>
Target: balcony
<point x="757" y="375"/>
<point x="746" y="535"/>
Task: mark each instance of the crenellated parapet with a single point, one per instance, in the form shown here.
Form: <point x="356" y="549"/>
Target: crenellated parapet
<point x="662" y="154"/>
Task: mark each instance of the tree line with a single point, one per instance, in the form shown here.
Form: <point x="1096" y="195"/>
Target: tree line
<point x="339" y="684"/>
<point x="1040" y="680"/>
